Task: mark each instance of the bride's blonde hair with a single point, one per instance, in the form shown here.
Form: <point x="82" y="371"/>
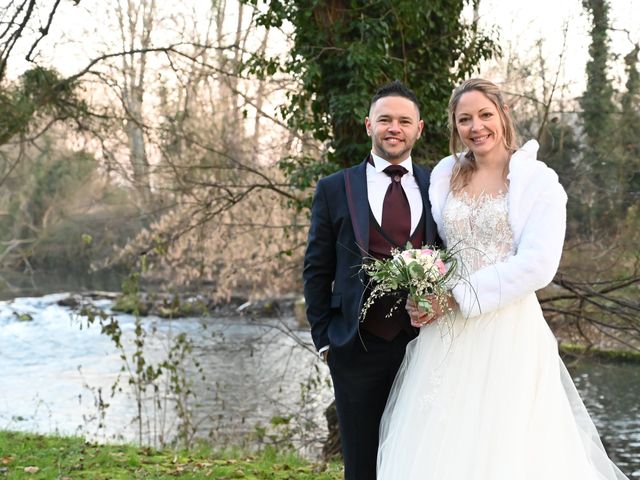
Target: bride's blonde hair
<point x="466" y="163"/>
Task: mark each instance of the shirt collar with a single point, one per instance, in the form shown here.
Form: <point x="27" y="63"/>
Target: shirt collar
<point x="380" y="163"/>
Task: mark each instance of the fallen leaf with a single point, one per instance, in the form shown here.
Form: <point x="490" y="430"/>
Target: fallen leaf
<point x="31" y="469"/>
<point x="6" y="460"/>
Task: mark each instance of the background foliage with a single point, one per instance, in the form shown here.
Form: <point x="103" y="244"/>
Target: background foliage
<point x="195" y="133"/>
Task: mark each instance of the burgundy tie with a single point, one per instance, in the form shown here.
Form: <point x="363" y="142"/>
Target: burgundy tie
<point x="396" y="214"/>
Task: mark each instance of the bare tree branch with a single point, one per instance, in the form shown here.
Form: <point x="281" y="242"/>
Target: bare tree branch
<point x="44" y="31"/>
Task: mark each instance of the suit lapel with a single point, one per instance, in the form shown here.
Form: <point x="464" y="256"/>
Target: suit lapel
<point x="359" y="205"/>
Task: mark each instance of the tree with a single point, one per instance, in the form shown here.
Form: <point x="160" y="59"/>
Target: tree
<point x="40" y="91"/>
<point x="17" y="19"/>
<point x="136" y="22"/>
<point x="602" y="193"/>
<point x="341" y="51"/>
<point x="40" y="94"/>
<point x="597" y="100"/>
<point x="53" y="202"/>
<point x="212" y="168"/>
<point x="628" y="131"/>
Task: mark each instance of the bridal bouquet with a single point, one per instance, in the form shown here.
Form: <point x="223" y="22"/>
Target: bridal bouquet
<point x="418" y="272"/>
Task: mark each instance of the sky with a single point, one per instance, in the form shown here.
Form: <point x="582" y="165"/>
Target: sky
<point x="522" y="23"/>
<point x="519" y="24"/>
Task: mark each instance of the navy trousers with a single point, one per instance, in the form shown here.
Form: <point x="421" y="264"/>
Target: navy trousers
<point x="362" y="380"/>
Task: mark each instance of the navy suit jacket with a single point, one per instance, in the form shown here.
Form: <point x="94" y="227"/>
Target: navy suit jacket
<point x="336" y="247"/>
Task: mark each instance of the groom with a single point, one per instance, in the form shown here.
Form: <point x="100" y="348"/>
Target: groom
<point x="359" y="213"/>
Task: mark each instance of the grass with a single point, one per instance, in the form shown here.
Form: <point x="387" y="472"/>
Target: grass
<point x="32" y="456"/>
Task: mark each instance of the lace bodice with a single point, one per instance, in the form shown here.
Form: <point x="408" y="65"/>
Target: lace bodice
<point x="478" y="229"/>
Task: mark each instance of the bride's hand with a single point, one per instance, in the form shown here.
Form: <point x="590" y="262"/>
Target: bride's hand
<point x="420" y="318"/>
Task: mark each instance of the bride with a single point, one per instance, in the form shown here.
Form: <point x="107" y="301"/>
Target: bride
<point x="482" y="393"/>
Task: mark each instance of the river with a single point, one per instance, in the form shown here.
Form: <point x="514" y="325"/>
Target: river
<point x="260" y="382"/>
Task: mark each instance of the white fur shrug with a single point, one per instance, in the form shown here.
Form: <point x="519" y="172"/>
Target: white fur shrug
<point x="537" y="215"/>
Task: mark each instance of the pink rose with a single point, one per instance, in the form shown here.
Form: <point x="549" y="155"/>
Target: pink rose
<point x="441" y="267"/>
<point x="408" y="255"/>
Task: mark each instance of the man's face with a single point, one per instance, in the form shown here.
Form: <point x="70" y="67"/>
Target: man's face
<point x="394" y="126"/>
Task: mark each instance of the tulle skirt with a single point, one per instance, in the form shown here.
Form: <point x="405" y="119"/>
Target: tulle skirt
<point x="488" y="398"/>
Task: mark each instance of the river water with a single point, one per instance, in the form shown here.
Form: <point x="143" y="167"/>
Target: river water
<point x="54" y="370"/>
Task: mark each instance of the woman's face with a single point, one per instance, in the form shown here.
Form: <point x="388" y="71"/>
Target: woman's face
<point x="479" y="124"/>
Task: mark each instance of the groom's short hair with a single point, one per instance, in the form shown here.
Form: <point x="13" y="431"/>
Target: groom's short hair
<point x="395" y="89"/>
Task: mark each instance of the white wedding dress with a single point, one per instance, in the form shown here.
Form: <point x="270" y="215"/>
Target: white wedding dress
<point x="487" y="397"/>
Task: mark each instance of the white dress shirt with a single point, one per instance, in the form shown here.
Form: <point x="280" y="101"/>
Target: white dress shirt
<point x="378" y="183"/>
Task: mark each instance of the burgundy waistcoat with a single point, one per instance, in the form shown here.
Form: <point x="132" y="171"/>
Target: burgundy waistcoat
<point x="376" y="320"/>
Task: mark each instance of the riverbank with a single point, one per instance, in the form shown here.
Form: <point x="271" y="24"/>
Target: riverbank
<point x="574" y="351"/>
<point x="166" y="305"/>
<point x="31" y="456"/>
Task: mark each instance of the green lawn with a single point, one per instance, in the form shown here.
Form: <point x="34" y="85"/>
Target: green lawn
<point x="31" y="456"/>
